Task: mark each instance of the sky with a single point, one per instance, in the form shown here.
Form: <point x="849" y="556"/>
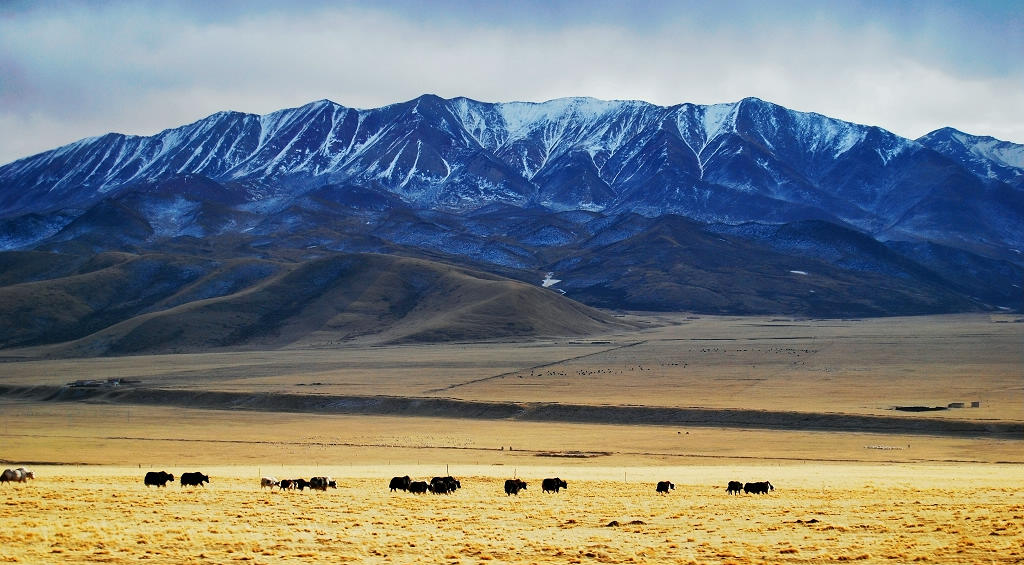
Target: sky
<point x="75" y="69"/>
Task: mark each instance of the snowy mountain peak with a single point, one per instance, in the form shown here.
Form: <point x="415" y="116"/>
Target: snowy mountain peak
<point x="986" y="156"/>
<point x="1003" y="152"/>
<point x="749" y="160"/>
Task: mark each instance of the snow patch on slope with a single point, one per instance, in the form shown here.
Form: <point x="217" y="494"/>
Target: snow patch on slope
<point x="719" y="119"/>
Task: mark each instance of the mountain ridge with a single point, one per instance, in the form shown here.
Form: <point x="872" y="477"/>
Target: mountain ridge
<point x="744" y="207"/>
<point x="731" y="162"/>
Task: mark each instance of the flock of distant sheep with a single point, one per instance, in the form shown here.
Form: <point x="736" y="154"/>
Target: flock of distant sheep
<point x="436" y="485"/>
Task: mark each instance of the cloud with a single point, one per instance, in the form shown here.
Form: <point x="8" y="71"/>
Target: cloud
<point x="84" y="70"/>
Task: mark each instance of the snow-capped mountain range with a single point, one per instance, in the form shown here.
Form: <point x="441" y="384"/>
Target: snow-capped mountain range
<point x="597" y="172"/>
<point x="745" y="161"/>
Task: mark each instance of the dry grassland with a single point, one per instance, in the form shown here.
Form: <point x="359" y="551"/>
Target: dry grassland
<point x="841" y="496"/>
<point x="98" y="434"/>
<point x="828" y="513"/>
<point x="846" y="366"/>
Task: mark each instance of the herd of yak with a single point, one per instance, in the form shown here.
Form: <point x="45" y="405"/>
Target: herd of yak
<point x="436" y="485"/>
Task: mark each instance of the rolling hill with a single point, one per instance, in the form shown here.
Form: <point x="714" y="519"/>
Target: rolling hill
<point x="119" y="303"/>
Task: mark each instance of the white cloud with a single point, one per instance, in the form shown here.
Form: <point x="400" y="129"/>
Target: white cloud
<point x="79" y="72"/>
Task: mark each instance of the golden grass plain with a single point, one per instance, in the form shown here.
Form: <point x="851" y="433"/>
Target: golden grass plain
<point x="822" y="513"/>
<point x="848" y="366"/>
<point x="841" y="496"/>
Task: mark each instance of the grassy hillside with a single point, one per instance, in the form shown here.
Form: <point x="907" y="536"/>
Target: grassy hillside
<point x="126" y="303"/>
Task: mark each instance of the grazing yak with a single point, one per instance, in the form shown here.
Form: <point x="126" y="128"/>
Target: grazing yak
<point x="322" y="483"/>
<point x="552" y="485"/>
<point x="158" y="479"/>
<point x="513" y="486"/>
<point x="444" y="485"/>
<point x="400" y="483"/>
<point x="194" y="480"/>
<point x="418" y="487"/>
<point x="735" y="487"/>
<point x="665" y="486"/>
<point x="758" y="488"/>
<point x="294" y="484"/>
<point x="19" y="475"/>
<point x="269" y="482"/>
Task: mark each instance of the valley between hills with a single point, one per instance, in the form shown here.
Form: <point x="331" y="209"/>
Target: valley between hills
<point x="746" y="292"/>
